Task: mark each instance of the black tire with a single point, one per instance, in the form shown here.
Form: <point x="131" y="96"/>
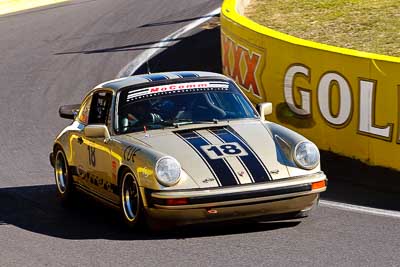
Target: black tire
<point x="64" y="182"/>
<point x="131" y="206"/>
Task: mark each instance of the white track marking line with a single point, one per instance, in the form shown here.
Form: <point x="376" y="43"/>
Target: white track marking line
<point x="132" y="66"/>
<point x="360" y="209"/>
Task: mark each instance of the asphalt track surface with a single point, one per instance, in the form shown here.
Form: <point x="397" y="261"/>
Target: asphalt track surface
<point x="52" y="56"/>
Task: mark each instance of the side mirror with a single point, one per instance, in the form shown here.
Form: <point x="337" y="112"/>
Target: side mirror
<point x="97" y="131"/>
<point x="69" y="111"/>
<point x="264" y="109"/>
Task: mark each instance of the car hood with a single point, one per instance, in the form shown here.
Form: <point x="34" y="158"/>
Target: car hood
<point x="221" y="154"/>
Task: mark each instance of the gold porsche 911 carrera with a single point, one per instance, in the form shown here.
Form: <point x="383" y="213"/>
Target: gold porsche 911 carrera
<point x="181" y="148"/>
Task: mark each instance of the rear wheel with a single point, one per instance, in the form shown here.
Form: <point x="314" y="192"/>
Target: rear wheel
<point x="131" y="200"/>
<point x="63" y="177"/>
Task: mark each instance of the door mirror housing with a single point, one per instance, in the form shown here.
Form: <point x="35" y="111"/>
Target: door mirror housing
<point x="97" y="131"/>
<point x="264" y="109"/>
<point x="68" y="111"/>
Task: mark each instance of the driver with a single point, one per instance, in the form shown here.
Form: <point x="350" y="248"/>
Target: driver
<point x="139" y="115"/>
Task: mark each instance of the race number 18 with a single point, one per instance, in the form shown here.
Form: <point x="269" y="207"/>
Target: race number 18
<point x="224" y="150"/>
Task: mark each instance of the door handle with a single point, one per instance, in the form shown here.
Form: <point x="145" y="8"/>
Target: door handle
<point x="80" y="140"/>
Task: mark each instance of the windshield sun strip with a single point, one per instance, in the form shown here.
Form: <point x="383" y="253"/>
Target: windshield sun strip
<point x="248" y="111"/>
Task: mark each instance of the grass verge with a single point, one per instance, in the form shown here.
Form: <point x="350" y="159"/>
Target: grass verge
<point x="365" y="25"/>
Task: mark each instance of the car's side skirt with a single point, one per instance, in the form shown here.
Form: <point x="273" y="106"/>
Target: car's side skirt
<point x="97" y="196"/>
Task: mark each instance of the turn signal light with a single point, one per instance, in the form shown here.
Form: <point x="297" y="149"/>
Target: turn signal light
<point x="177" y="201"/>
<point x="318" y="185"/>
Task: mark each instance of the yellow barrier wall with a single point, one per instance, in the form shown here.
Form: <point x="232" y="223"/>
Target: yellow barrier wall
<point x="11" y="6"/>
<point x="344" y="100"/>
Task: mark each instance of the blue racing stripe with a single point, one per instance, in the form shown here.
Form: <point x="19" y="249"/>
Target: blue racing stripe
<point x="253" y="163"/>
<point x="155" y="77"/>
<point x="218" y="167"/>
<point x="186" y="74"/>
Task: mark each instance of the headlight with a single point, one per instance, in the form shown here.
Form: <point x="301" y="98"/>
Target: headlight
<point x="168" y="171"/>
<point x="306" y="155"/>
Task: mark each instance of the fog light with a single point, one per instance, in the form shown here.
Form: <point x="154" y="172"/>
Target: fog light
<point x="177" y="201"/>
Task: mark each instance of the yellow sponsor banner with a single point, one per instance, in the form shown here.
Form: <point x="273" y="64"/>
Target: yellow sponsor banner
<point x="346" y="101"/>
<point x="11" y="6"/>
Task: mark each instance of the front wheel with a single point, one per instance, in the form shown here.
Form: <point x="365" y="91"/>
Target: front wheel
<point x="63" y="177"/>
<point x="131" y="200"/>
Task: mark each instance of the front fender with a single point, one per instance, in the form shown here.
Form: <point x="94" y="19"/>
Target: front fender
<point x="286" y="141"/>
<point x="141" y="160"/>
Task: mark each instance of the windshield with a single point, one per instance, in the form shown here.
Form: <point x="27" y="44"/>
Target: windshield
<point x="178" y="104"/>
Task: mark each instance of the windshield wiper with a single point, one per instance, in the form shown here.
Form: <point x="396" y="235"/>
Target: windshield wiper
<point x="178" y="122"/>
<point x="215" y="121"/>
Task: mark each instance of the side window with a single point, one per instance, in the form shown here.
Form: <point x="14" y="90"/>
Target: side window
<point x="100" y="107"/>
<point x="83" y="115"/>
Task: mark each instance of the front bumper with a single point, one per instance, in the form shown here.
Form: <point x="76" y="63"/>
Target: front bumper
<point x="217" y="204"/>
